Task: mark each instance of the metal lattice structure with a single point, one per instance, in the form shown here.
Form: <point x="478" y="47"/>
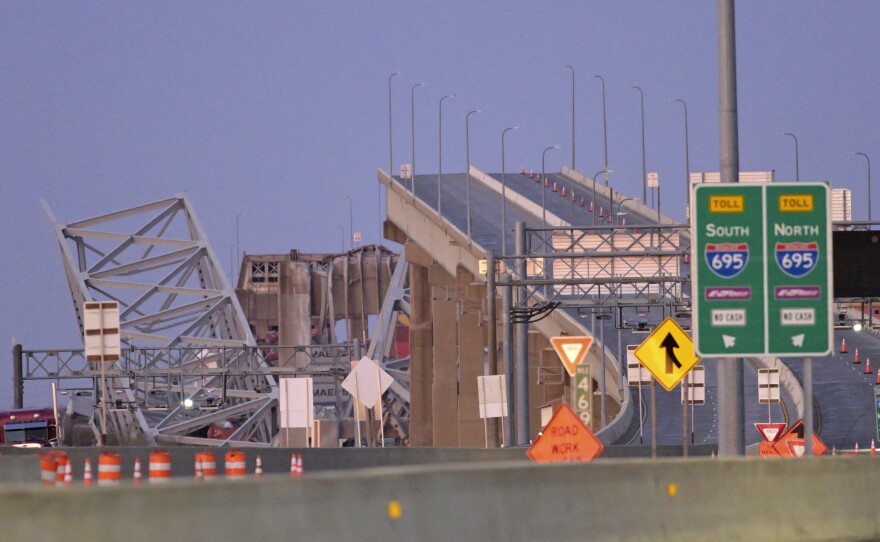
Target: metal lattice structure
<point x="592" y="267"/>
<point x="178" y="307"/>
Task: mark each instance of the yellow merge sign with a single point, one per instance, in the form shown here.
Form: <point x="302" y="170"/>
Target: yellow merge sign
<point x="668" y="353"/>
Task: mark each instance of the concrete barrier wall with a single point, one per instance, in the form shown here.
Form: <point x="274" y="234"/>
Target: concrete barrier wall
<point x="742" y="499"/>
<point x="22" y="465"/>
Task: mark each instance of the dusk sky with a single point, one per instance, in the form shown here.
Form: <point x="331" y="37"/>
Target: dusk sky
<point x="279" y="110"/>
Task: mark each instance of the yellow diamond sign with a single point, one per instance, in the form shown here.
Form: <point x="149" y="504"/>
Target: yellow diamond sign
<point x="668" y="353"/>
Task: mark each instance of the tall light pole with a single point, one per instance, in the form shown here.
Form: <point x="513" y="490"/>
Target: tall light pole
<point x="237" y="271"/>
<point x="797" y="168"/>
<point x="593" y="201"/>
<point x="604" y="127"/>
<point x="440" y="139"/>
<point x="620" y="205"/>
<point x="569" y="66"/>
<point x="412" y="104"/>
<point x="687" y="164"/>
<point x="390" y="132"/>
<point x="467" y="144"/>
<point x="504" y="195"/>
<point x="543" y="191"/>
<point x="390" y="153"/>
<point x="869" y="181"/>
<point x="350" y="223"/>
<point x="644" y="170"/>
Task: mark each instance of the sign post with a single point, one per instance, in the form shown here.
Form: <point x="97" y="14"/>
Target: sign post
<point x="102" y="343"/>
<point x="583" y="395"/>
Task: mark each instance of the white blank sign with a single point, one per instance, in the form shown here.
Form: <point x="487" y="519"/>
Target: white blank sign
<point x="492" y="391"/>
<point x="296" y="402"/>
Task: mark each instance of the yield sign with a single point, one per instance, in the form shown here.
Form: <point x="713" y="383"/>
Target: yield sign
<point x="770" y="431"/>
<point x="571" y="350"/>
<point x="565" y="438"/>
<point x="791" y="444"/>
<point x="668" y="353"/>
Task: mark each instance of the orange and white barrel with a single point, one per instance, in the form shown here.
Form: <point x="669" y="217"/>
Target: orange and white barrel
<point x="61" y="462"/>
<point x="208" y="463"/>
<point x="236" y="465"/>
<point x="109" y="469"/>
<point x="48" y="469"/>
<point x="160" y="466"/>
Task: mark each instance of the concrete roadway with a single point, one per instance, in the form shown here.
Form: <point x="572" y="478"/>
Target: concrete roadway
<point x="842" y="395"/>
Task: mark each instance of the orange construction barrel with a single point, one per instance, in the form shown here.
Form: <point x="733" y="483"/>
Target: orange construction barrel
<point x="48" y="469"/>
<point x="208" y="463"/>
<point x="109" y="469"/>
<point x="160" y="466"/>
<point x="61" y="462"/>
<point x="236" y="467"/>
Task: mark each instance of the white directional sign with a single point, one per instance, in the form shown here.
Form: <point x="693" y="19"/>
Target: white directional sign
<point x="768" y="386"/>
<point x="636" y="373"/>
<point x="101" y="331"/>
<point x="296" y="402"/>
<point x="492" y="392"/>
<point x="367" y="382"/>
<point x="695" y="392"/>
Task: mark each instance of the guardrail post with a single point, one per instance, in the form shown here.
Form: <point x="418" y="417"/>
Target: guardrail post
<point x="17" y="378"/>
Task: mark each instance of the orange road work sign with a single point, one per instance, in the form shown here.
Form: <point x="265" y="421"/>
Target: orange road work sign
<point x="565" y="438"/>
<point x="791" y="444"/>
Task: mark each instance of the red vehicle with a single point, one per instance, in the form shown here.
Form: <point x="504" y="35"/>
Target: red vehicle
<point x="31" y="428"/>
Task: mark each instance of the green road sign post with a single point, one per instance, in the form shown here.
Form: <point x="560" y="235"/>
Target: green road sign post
<point x="583" y="394"/>
<point x="762" y="281"/>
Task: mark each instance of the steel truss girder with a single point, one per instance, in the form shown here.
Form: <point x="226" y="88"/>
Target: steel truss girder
<point x="172" y="291"/>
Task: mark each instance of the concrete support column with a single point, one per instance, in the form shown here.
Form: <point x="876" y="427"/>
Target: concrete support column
<point x="294" y="301"/>
<point x="421" y="338"/>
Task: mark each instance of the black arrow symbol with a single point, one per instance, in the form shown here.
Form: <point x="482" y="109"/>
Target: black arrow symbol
<point x="670" y="345"/>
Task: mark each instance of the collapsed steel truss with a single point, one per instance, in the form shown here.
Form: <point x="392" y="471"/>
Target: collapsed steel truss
<point x="176" y="301"/>
<point x="189" y="358"/>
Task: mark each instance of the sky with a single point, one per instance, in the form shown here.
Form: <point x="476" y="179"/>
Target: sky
<point x="278" y="111"/>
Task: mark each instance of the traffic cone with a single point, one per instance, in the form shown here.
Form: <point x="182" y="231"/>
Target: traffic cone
<point x="137" y="471"/>
<point x="857" y="448"/>
<point x="299" y="464"/>
<point x="843" y="346"/>
<point x="687" y="258"/>
<point x="523" y="172"/>
<point x="538" y="178"/>
<point x="294" y="471"/>
<point x="258" y="470"/>
<point x="713" y="454"/>
<point x="834" y="450"/>
<point x="873" y="449"/>
<point x="601" y="212"/>
<point x="856" y="359"/>
<point x="68" y="474"/>
<point x="583" y="202"/>
<point x="563" y="192"/>
<point x="572" y="196"/>
<point x="554" y="187"/>
<point x="623" y="221"/>
<point x="87" y="473"/>
<point x="867" y="365"/>
<point x="591" y="206"/>
<point x="199" y="471"/>
<point x="531" y="174"/>
<point x="546" y="182"/>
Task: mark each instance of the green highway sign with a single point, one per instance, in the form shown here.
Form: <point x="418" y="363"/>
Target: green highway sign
<point x="762" y="279"/>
